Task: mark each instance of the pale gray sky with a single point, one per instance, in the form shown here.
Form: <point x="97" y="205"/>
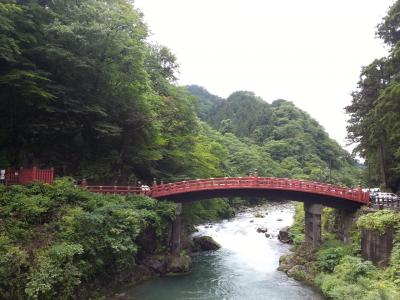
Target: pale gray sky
<point x="309" y="52"/>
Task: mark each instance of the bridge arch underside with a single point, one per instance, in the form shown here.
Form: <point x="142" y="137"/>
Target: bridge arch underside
<point x="269" y="194"/>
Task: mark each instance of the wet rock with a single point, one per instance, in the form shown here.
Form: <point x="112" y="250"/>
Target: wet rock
<point x="283" y="235"/>
<point x="279" y="219"/>
<point x="251" y="221"/>
<point x="262" y="229"/>
<point x="156" y="264"/>
<point x="205" y="243"/>
<point x="267" y="235"/>
<point x="178" y="264"/>
<point x="258" y="215"/>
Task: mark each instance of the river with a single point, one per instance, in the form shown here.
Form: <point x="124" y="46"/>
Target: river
<point x="244" y="268"/>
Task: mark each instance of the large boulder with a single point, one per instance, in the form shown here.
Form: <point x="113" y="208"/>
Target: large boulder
<point x="178" y="264"/>
<point x="157" y="264"/>
<point x="283" y="235"/>
<point x="205" y="243"/>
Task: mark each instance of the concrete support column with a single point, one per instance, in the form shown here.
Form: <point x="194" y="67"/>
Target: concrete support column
<point x="312" y="224"/>
<point x="177" y="230"/>
<point x="377" y="246"/>
<point x="346" y="223"/>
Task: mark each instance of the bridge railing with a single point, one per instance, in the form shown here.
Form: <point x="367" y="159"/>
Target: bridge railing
<point x="385" y="202"/>
<point x="117" y="189"/>
<point x="262" y="182"/>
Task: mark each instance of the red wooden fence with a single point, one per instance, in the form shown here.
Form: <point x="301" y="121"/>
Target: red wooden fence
<point x="25" y="176"/>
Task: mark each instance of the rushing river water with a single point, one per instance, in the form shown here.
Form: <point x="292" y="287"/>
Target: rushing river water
<point x="244" y="268"/>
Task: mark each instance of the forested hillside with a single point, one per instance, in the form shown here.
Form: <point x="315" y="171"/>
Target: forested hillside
<point x="285" y="139"/>
<point x="375" y="109"/>
<point x="83" y="90"/>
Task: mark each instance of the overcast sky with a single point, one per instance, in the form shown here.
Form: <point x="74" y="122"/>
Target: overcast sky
<point x="309" y="51"/>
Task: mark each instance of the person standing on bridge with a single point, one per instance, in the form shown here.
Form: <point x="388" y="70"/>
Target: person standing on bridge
<point x="2" y="176"/>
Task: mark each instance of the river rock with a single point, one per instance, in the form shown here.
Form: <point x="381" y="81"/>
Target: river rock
<point x="251" y="221"/>
<point x="279" y="219"/>
<point x="262" y="229"/>
<point x="157" y="264"/>
<point x="178" y="264"/>
<point x="267" y="235"/>
<point x="283" y="235"/>
<point x="258" y="215"/>
<point x="205" y="243"/>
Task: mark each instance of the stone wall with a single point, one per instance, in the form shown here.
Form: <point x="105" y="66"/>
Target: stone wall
<point x="377" y="247"/>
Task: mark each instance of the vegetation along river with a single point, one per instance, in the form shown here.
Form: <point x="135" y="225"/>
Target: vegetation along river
<point x="244" y="268"/>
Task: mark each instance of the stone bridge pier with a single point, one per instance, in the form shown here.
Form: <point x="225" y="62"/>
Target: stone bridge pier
<point x="176" y="230"/>
<point x="312" y="224"/>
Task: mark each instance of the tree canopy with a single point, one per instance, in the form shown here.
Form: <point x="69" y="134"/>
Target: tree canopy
<point x="374" y="122"/>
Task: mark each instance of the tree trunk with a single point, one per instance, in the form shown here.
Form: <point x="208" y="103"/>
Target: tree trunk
<point x="382" y="170"/>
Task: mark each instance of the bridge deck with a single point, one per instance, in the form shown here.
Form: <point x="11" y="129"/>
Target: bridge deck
<point x="231" y="183"/>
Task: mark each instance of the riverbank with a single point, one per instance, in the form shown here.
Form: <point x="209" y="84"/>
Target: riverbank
<point x="337" y="269"/>
<point x="59" y="241"/>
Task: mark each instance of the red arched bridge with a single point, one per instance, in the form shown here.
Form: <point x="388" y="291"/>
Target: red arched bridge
<point x="271" y="188"/>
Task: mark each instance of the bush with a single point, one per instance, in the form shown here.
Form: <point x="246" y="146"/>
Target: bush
<point x="71" y="237"/>
<point x="13" y="265"/>
<point x="380" y="220"/>
<point x="329" y="258"/>
<point x="55" y="273"/>
<point x="296" y="231"/>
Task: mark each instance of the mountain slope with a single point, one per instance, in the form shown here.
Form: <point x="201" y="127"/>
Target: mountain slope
<point x="282" y="133"/>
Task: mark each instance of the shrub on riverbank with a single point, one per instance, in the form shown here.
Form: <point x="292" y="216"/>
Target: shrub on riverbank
<point x="57" y="239"/>
<point x="296" y="231"/>
<point x="337" y="268"/>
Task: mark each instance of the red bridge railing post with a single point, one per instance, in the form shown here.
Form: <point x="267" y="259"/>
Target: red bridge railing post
<point x="84" y="183"/>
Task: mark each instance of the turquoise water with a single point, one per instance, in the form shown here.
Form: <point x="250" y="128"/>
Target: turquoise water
<point x="244" y="268"/>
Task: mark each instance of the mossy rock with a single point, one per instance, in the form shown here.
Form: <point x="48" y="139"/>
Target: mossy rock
<point x="205" y="243"/>
<point x="178" y="264"/>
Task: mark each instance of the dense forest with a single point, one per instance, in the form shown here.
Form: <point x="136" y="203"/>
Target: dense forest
<point x="83" y="91"/>
<point x="375" y="109"/>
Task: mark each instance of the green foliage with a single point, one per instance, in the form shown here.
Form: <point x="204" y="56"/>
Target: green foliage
<point x="374" y="124"/>
<point x="380" y="220"/>
<point x="329" y="258"/>
<point x="207" y="210"/>
<point x="57" y="239"/>
<point x="13" y="265"/>
<point x="54" y="273"/>
<point x="296" y="231"/>
<point x="341" y="273"/>
<point x="353" y="278"/>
